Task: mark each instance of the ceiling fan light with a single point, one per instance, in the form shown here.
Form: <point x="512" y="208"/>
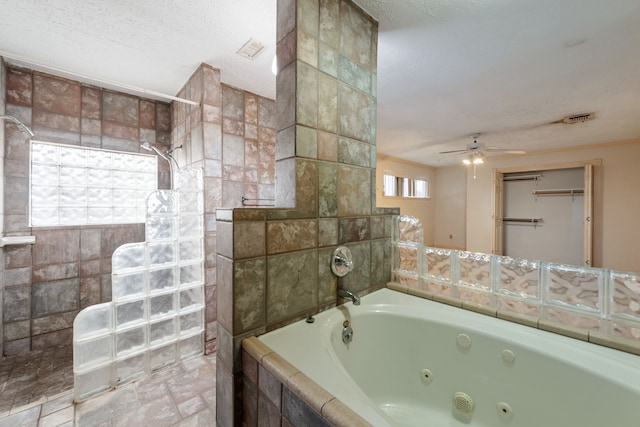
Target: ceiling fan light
<point x="478" y="161"/>
<point x="466" y="161"/>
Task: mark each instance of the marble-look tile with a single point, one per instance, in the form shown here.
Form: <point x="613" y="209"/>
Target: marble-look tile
<point x="355" y="35"/>
<point x="248" y="239"/>
<point x="270" y="386"/>
<point x="355" y="113"/>
<point x="306" y="105"/>
<point x="91" y="103"/>
<point x="327" y="189"/>
<point x="100" y="409"/>
<point x="306" y="187"/>
<point x="354" y="153"/>
<point x="147" y="114"/>
<point x="268" y="414"/>
<point x="377" y="227"/>
<point x="45" y="119"/>
<point x="286" y="18"/>
<point x="232" y="103"/>
<point x="58" y="418"/>
<point x="22" y="418"/>
<point x="327" y="281"/>
<point x="56" y="95"/>
<point x="251" y="108"/>
<point x="52" y="323"/>
<point x="307" y="14"/>
<point x="306" y="142"/>
<point x="327" y="146"/>
<point x="286" y="236"/>
<point x="159" y="412"/>
<point x="248" y="295"/>
<point x="163" y="117"/>
<point x="328" y="60"/>
<point x="327" y="232"/>
<point x="45" y="273"/>
<point x="19" y="87"/>
<point x="353" y="230"/>
<point x="327" y="103"/>
<point x="17" y="303"/>
<point x="360" y="278"/>
<point x="17" y="330"/>
<point x="252" y="152"/>
<point x="121" y="109"/>
<point x="54" y="297"/>
<point x="286" y="100"/>
<point x="354" y="191"/>
<point x="233" y="150"/>
<point x="266" y="113"/>
<point x="354" y="75"/>
<point x="380" y="261"/>
<point x="298" y="412"/>
<point x="329" y="22"/>
<point x="292" y="283"/>
<point x="249" y="403"/>
<point x="307" y="48"/>
<point x="267" y="147"/>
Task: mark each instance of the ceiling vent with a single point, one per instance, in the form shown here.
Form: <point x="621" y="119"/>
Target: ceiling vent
<point x="578" y="118"/>
<point x="251" y="49"/>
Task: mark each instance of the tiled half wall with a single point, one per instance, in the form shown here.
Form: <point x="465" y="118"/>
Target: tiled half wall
<point x="273" y="264"/>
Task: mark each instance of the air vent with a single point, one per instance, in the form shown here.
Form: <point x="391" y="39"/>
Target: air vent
<point x="579" y="118"/>
<point x="251" y="49"/>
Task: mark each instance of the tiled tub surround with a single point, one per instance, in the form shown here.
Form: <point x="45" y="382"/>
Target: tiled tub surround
<point x="156" y="317"/>
<point x="276" y="392"/>
<point x="69" y="268"/>
<point x="273" y="264"/>
<point x="591" y="304"/>
<point x="409" y="356"/>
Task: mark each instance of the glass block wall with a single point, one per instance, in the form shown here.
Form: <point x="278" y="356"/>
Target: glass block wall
<point x="156" y="316"/>
<point x="82" y="185"/>
<point x="591" y="299"/>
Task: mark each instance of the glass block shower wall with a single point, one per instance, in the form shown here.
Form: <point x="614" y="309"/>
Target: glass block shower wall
<point x="592" y="300"/>
<point x="156" y="316"/>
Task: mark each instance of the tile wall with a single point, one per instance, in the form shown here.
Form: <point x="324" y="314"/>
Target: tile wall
<point x="231" y="135"/>
<point x="3" y="97"/>
<point x="69" y="268"/>
<point x="273" y="264"/>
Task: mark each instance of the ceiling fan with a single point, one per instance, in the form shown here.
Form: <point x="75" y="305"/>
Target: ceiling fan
<point x="475" y="151"/>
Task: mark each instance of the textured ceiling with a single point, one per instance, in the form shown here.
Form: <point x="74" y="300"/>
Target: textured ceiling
<point x="446" y="68"/>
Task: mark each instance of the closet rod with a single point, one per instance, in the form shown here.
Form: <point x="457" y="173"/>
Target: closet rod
<point x="527" y="220"/>
<point x="562" y="191"/>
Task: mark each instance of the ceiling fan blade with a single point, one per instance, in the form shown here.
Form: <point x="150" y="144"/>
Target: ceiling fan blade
<point x="505" y="150"/>
<point x="453" y="151"/>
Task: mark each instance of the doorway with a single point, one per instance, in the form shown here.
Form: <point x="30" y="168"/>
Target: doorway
<point x="545" y="213"/>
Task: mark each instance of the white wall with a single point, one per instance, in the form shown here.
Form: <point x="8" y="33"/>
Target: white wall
<point x="450" y="195"/>
<point x="423" y="209"/>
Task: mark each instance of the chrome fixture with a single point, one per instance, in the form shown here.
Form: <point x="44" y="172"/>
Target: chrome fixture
<point x="345" y="293"/>
<point x="347" y="332"/>
<point x="24" y="128"/>
<point x="165" y="155"/>
<point x="341" y="261"/>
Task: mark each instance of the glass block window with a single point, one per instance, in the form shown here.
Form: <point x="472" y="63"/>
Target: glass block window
<point x="73" y="185"/>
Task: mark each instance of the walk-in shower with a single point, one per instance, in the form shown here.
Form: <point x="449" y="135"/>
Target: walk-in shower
<point x="24" y="128"/>
<point x="165" y="155"/>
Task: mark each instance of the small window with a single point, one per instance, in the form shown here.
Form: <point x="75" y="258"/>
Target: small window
<point x="82" y="186"/>
<point x="405" y="187"/>
<point x="390" y="185"/>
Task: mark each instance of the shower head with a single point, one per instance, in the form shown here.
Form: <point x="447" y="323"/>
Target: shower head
<point x="21" y="125"/>
<point x="164" y="154"/>
<point x="146" y="146"/>
<point x="171" y="150"/>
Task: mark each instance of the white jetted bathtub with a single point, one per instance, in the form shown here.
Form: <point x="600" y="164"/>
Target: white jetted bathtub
<point x="415" y="362"/>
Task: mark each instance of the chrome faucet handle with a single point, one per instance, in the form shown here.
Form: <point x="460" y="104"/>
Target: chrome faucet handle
<point x="341" y="261"/>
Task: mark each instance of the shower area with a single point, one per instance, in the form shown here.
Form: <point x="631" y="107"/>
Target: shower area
<point x="50" y="273"/>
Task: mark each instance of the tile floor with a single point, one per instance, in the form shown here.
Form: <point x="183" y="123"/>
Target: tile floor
<point x="39" y="387"/>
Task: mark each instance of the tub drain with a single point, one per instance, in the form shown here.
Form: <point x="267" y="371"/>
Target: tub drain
<point x="463" y="402"/>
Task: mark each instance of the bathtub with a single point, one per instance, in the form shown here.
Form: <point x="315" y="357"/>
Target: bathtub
<point x="416" y="362"/>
